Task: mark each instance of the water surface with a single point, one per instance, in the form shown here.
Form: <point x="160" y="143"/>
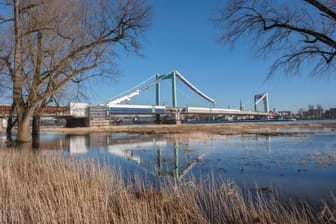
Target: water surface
<point x="300" y="166"/>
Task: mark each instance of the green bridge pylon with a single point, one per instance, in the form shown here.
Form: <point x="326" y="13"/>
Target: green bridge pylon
<point x="173" y="76"/>
<point x="159" y="78"/>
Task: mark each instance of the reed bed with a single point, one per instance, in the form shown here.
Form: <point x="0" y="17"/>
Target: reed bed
<point x="37" y="188"/>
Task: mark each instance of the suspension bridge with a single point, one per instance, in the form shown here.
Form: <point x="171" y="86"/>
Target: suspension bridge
<point x="83" y="114"/>
<point x="175" y="112"/>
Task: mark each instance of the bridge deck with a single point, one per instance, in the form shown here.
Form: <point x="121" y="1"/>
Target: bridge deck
<point x="144" y="109"/>
<point x="123" y="109"/>
<point x="204" y="110"/>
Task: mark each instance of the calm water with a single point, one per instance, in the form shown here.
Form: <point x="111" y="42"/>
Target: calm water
<point x="300" y="167"/>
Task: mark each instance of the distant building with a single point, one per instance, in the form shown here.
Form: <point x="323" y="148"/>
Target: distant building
<point x="330" y="114"/>
<point x="286" y="114"/>
<point x="314" y="113"/>
<point x="317" y="113"/>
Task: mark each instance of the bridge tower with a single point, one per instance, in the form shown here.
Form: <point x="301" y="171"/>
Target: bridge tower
<point x="261" y="97"/>
<point x="159" y="78"/>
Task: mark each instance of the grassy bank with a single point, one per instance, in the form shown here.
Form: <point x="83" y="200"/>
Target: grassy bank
<point x="50" y="189"/>
<point x="208" y="129"/>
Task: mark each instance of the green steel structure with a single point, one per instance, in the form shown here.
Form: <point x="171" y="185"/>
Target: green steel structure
<point x="159" y="78"/>
<point x="173" y="75"/>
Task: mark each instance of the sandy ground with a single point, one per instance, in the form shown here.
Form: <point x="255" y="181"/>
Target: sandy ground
<point x="209" y="129"/>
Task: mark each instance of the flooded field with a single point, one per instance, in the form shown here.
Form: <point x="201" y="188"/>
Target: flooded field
<point x="299" y="166"/>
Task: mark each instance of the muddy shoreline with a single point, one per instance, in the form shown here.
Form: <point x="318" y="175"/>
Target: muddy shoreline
<point x="272" y="129"/>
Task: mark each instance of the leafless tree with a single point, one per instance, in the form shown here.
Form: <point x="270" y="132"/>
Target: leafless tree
<point x="56" y="42"/>
<point x="6" y="75"/>
<point x="300" y="33"/>
<point x="301" y="111"/>
<point x="319" y="110"/>
<point x="6" y="53"/>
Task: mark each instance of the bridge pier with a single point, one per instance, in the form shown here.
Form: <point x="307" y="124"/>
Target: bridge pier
<point x="3" y="123"/>
<point x="158" y="118"/>
<point x="174" y="116"/>
<point x="178" y="118"/>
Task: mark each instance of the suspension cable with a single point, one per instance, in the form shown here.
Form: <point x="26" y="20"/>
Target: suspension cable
<point x="131" y="89"/>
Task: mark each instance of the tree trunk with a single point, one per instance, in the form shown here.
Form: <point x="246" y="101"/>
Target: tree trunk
<point x="10" y="124"/>
<point x="23" y="131"/>
<point x="9" y="129"/>
<point x="36" y="129"/>
<point x="23" y="134"/>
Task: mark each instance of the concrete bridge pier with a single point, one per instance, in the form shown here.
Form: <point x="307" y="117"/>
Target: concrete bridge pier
<point x="177" y="118"/>
<point x="158" y="118"/>
<point x="172" y="116"/>
<point x="3" y="124"/>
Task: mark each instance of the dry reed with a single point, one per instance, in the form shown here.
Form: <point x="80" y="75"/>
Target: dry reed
<point x="37" y="188"/>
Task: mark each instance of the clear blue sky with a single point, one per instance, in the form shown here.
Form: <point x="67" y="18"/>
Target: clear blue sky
<point x="183" y="38"/>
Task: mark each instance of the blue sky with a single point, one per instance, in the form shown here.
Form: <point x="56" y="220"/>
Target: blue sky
<point x="182" y="37"/>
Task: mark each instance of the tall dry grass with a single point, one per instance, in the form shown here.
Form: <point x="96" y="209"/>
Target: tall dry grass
<point x="52" y="189"/>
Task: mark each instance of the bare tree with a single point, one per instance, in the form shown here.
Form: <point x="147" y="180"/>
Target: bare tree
<point x="7" y="73"/>
<point x="5" y="80"/>
<point x="60" y="41"/>
<point x="311" y="110"/>
<point x="301" y="112"/>
<point x="319" y="110"/>
<point x="301" y="33"/>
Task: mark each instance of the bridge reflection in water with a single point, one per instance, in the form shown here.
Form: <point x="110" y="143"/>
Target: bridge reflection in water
<point x="155" y="155"/>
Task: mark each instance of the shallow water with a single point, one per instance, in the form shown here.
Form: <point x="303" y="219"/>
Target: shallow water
<point x="300" y="167"/>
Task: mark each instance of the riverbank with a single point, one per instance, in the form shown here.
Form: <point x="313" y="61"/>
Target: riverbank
<point x="281" y="128"/>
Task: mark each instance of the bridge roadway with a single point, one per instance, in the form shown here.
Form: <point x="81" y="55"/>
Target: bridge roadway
<point x="218" y="111"/>
<point x="84" y="118"/>
<point x="125" y="109"/>
<point x="119" y="109"/>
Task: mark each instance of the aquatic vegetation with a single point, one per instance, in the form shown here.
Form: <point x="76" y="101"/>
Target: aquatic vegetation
<point x="35" y="188"/>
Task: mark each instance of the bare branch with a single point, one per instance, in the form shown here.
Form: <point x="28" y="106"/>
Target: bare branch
<point x="28" y="7"/>
<point x="323" y="8"/>
<point x="59" y="41"/>
<point x="318" y="36"/>
<point x="5" y="20"/>
<point x="293" y="31"/>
